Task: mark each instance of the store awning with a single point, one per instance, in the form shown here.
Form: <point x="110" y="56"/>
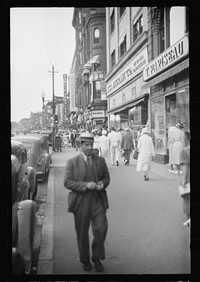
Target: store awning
<point x="85" y="71"/>
<point x="130" y="105"/>
<point x="95" y="60"/>
<point x="169" y="73"/>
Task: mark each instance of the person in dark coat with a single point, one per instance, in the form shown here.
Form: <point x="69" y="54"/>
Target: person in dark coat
<point x="127" y="145"/>
<point x="87" y="176"/>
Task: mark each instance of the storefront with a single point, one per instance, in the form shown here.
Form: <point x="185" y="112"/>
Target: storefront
<point x="127" y="102"/>
<point x="169" y="96"/>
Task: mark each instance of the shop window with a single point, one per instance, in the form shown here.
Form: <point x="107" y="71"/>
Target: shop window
<point x="96" y="35"/>
<point x="138" y="28"/>
<point x="157" y="125"/>
<point x="122" y="47"/>
<point x="171" y="110"/>
<point x="183" y="109"/>
<point x="112" y="21"/>
<point x="113" y="59"/>
<point x="121" y="11"/>
<point x="97" y="90"/>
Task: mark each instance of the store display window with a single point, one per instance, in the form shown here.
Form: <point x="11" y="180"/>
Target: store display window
<point x="157" y="124"/>
<point x="183" y="111"/>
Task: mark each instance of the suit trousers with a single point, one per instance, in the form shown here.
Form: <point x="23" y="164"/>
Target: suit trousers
<point x="91" y="210"/>
<point x="114" y="154"/>
<point x="127" y="153"/>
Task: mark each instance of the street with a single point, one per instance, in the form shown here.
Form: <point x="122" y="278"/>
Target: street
<point x="145" y="231"/>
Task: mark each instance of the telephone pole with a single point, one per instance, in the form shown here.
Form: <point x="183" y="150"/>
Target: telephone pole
<point x="53" y="110"/>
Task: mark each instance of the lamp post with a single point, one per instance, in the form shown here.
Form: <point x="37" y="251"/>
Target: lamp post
<point x="43" y="97"/>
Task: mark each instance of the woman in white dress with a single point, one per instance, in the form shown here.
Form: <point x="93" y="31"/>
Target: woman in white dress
<point x="178" y="142"/>
<point x="146" y="151"/>
<point x="104" y="144"/>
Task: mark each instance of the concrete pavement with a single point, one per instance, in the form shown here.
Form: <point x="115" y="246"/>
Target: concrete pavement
<point x="147" y="250"/>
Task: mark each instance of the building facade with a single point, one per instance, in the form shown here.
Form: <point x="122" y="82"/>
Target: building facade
<point x="166" y="76"/>
<point x="90" y="66"/>
<point x="127" y="55"/>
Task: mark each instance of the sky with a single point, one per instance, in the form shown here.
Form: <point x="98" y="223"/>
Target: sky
<point x="39" y="39"/>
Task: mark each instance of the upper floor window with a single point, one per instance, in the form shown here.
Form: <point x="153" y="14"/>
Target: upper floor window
<point x="122" y="47"/>
<point x="177" y="23"/>
<point x="112" y="21"/>
<point x="169" y="25"/>
<point x="96" y="35"/>
<point x="137" y="28"/>
<point x="113" y="59"/>
<point x="121" y="11"/>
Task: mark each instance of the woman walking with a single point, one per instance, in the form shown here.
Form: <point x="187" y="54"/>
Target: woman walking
<point x="178" y="141"/>
<point x="146" y="151"/>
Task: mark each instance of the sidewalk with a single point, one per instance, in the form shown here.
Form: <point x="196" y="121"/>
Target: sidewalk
<point x="45" y="261"/>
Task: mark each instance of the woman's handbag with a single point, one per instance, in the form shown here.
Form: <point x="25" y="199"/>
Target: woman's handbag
<point x="184" y="190"/>
<point x="135" y="154"/>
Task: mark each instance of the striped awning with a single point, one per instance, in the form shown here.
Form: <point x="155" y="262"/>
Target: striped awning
<point x="169" y="73"/>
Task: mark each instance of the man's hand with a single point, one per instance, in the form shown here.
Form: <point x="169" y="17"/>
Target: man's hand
<point x="100" y="185"/>
<point x="91" y="185"/>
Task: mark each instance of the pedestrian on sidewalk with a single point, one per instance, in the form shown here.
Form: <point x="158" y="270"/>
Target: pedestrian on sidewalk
<point x="96" y="142"/>
<point x="146" y="151"/>
<point x="185" y="162"/>
<point x="178" y="142"/>
<point x="114" y="144"/>
<point x="104" y="144"/>
<point x="127" y="145"/>
<point x="170" y="144"/>
<point x="87" y="176"/>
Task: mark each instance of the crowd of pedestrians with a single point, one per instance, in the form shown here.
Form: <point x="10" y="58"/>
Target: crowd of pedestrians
<point x="87" y="176"/>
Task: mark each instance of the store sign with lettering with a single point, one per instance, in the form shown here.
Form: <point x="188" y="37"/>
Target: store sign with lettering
<point x="98" y="114"/>
<point x="133" y="68"/>
<point x="167" y="58"/>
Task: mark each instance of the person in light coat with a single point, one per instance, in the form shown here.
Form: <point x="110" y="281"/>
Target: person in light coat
<point x="146" y="151"/>
<point x="178" y="143"/>
<point x="170" y="142"/>
<point x="103" y="144"/>
<point x="114" y="143"/>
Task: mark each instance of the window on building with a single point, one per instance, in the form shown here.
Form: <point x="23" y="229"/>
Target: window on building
<point x="113" y="59"/>
<point x="177" y="21"/>
<point x="137" y="28"/>
<point x="123" y="47"/>
<point x="112" y="21"/>
<point x="96" y="35"/>
<point x="97" y="90"/>
<point x="121" y="11"/>
<point x="169" y="25"/>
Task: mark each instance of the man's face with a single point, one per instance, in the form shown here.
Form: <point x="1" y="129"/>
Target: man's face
<point x="86" y="148"/>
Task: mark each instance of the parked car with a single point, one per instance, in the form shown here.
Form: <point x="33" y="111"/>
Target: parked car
<point x="23" y="225"/>
<point x="38" y="156"/>
<point x="27" y="172"/>
<point x="23" y="190"/>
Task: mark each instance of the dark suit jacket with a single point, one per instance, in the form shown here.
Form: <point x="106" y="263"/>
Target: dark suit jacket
<point x="127" y="141"/>
<point x="74" y="180"/>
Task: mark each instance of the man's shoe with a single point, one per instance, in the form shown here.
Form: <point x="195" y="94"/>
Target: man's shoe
<point x="87" y="266"/>
<point x="98" y="265"/>
<point x="117" y="163"/>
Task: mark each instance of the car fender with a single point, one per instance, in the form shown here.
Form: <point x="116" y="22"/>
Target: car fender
<point x="26" y="227"/>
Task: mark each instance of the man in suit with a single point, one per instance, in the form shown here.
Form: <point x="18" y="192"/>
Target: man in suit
<point x="87" y="176"/>
<point x="127" y="145"/>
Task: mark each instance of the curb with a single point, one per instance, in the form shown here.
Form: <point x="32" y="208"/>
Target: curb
<point x="45" y="261"/>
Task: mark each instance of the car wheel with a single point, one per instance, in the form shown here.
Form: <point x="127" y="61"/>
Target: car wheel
<point x="34" y="194"/>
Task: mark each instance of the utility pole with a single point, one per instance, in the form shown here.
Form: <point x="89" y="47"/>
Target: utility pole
<point x="53" y="106"/>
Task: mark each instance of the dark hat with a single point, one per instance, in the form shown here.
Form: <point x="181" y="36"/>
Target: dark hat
<point x="86" y="137"/>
